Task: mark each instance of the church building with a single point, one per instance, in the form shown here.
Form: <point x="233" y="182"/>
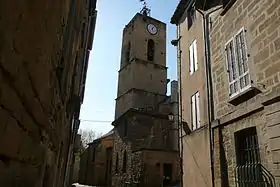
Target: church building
<point x="145" y="151"/>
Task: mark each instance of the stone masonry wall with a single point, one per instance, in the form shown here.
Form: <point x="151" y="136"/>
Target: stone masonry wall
<point x="266" y="121"/>
<point x="35" y="118"/>
<point x="261" y="22"/>
<point x="118" y="176"/>
<point x="143" y="132"/>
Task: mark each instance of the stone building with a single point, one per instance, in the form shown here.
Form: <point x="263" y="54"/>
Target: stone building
<point x="77" y="159"/>
<point x="241" y="49"/>
<point x="96" y="162"/>
<point x="245" y="40"/>
<point x="145" y="149"/>
<point x="44" y="50"/>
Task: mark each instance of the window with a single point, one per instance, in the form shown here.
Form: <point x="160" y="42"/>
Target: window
<point x="167" y="173"/>
<point x="191" y="16"/>
<point x="117" y="164"/>
<point x="124" y="161"/>
<point x="237" y="64"/>
<point x="151" y="50"/>
<point x="248" y="169"/>
<point x="195" y="111"/>
<point x="193" y="57"/>
<point x="127" y="54"/>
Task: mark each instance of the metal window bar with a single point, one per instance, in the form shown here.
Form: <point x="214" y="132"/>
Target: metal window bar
<point x="253" y="175"/>
<point x="249" y="171"/>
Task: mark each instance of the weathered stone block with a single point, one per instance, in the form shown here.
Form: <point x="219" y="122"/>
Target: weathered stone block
<point x="274" y="144"/>
<point x="268" y="22"/>
<point x="270" y="38"/>
<point x="262" y="55"/>
<point x="273" y="7"/>
<point x="273" y="70"/>
<point x="276" y="157"/>
<point x="277" y="43"/>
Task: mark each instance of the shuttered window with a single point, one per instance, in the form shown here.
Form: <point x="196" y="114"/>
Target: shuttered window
<point x="193" y="57"/>
<point x="195" y="111"/>
<point x="237" y="64"/>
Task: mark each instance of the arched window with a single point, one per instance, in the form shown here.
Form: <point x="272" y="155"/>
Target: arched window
<point x="151" y="50"/>
<point x="117" y="164"/>
<point x="127" y="54"/>
<point x="124" y="161"/>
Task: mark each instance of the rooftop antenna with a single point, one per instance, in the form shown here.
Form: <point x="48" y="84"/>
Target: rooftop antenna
<point x="145" y="10"/>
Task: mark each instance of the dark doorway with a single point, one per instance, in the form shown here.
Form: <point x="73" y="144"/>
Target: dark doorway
<point x="167" y="174"/>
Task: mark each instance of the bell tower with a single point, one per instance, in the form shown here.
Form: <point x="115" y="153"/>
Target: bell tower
<point x="142" y="80"/>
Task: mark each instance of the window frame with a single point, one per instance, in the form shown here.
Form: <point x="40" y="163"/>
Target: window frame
<point x="193" y="60"/>
<point x="128" y="52"/>
<point x="151" y="50"/>
<point x="191" y="17"/>
<point x="195" y="111"/>
<point x="237" y="68"/>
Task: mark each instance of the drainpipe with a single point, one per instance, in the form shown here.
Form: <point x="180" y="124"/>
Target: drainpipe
<point x="209" y="87"/>
<point x="179" y="113"/>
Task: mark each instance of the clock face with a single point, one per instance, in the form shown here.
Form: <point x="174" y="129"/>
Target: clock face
<point x="152" y="29"/>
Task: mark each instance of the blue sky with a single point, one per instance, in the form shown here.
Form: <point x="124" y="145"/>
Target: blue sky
<point x="102" y="75"/>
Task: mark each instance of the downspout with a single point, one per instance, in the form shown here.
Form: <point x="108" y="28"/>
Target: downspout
<point x="180" y="126"/>
<point x="209" y="87"/>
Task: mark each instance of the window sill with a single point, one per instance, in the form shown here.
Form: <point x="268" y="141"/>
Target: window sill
<point x="190" y="132"/>
<point x="244" y="96"/>
<point x="199" y="128"/>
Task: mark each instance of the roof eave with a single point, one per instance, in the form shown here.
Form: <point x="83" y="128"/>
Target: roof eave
<point x="179" y="11"/>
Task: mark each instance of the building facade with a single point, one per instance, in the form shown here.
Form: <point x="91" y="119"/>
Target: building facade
<point x="193" y="98"/>
<point x="44" y="55"/>
<point x="245" y="40"/>
<point x="96" y="162"/>
<point x="241" y="56"/>
<point x="145" y="149"/>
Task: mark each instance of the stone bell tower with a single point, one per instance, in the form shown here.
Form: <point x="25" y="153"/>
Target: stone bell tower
<point x="142" y="80"/>
<point x="144" y="151"/>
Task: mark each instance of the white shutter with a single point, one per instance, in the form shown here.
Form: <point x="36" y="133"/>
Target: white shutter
<point x="242" y="60"/>
<point x="191" y="58"/>
<point x="195" y="55"/>
<point x="197" y="109"/>
<point x="232" y="70"/>
<point x="237" y="61"/>
<point x="193" y="111"/>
